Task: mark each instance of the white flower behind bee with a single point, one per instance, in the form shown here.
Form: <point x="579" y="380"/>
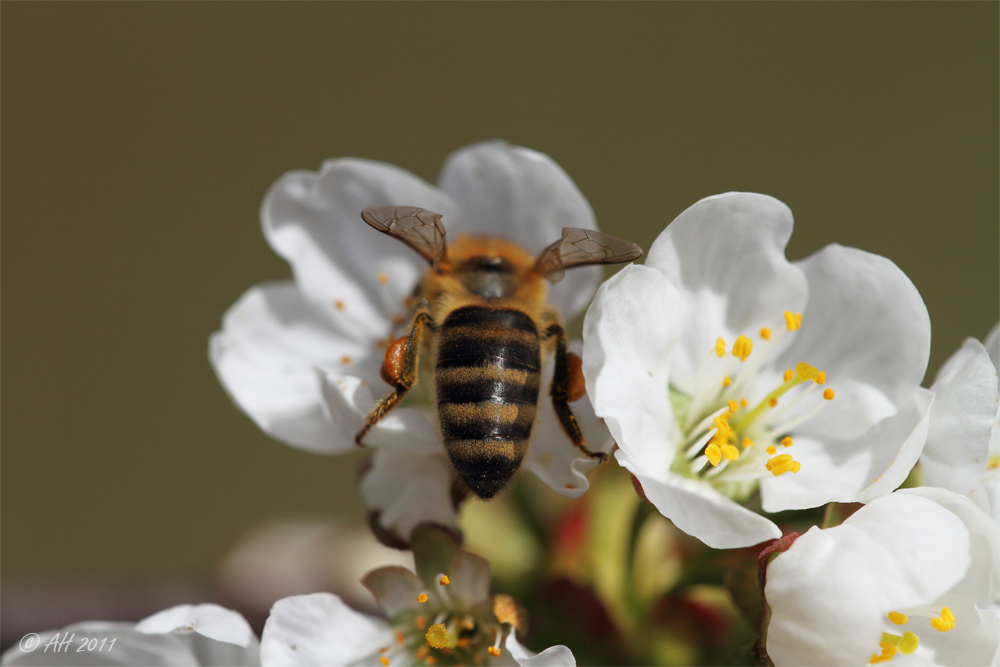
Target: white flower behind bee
<point x="302" y="358"/>
<point x="723" y="369"/>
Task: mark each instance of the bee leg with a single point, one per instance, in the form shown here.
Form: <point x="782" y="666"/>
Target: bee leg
<point x="566" y="376"/>
<point x="399" y="369"/>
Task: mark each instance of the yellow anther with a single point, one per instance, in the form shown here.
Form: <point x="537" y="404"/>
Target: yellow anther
<point x="714" y="453"/>
<point x="940" y="624"/>
<point x="400" y="637"/>
<point x="722" y="424"/>
<point x="444" y="580"/>
<point x="897" y="618"/>
<point x="765" y="333"/>
<point x="383" y="279"/>
<point x="494" y="651"/>
<point x="888" y="651"/>
<point x="805" y="371"/>
<point x="789" y="374"/>
<point x="786" y="441"/>
<point x="420" y="622"/>
<point x="720" y="347"/>
<point x="438" y="636"/>
<point x="772" y="450"/>
<point x="780" y="464"/>
<point x="732" y="406"/>
<point x="828" y="394"/>
<point x="909" y="643"/>
<point x="948" y="616"/>
<point x="772" y="401"/>
<point x="744" y="402"/>
<point x="796" y="466"/>
<point x="747" y="442"/>
<point x="726" y="381"/>
<point x="730" y="452"/>
<point x="742" y="347"/>
<point x="821" y="378"/>
<point x="422" y="598"/>
<point x="384" y="660"/>
<point x="793" y="321"/>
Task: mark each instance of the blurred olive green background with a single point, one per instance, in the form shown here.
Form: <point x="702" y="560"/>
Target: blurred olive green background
<point x="139" y="139"/>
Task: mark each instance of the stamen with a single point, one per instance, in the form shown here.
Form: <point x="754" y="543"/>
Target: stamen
<point x="781" y="464"/>
<point x="422" y="598"/>
<point x="765" y="333"/>
<point x="772" y="450"/>
<point x="786" y="441"/>
<point x="828" y="394"/>
<point x="722" y="424"/>
<point x="733" y="407"/>
<point x="888" y="651"/>
<point x="898" y="618"/>
<point x="909" y="643"/>
<point x="714" y="454"/>
<point x="744" y="402"/>
<point x="747" y="442"/>
<point x="789" y="374"/>
<point x="944" y="622"/>
<point x="720" y="347"/>
<point x="730" y="452"/>
<point x="742" y="347"/>
<point x="384" y="660"/>
<point x="438" y="636"/>
<point x="792" y="322"/>
<point x="494" y="651"/>
<point x="726" y="381"/>
<point x="444" y="580"/>
<point x="805" y="371"/>
<point x="821" y="378"/>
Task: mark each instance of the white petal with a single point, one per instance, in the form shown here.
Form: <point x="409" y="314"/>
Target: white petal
<point x="210" y="620"/>
<point x="319" y="629"/>
<point x="855" y="470"/>
<point x="867" y="328"/>
<point x="629" y="334"/>
<point x="973" y="641"/>
<point x="409" y="489"/>
<point x="470" y="580"/>
<point x="313" y="220"/>
<point x="521" y="194"/>
<point x="266" y="355"/>
<point x="982" y="581"/>
<point x="986" y="496"/>
<point x="349" y="399"/>
<point x="554" y="656"/>
<point x="726" y="255"/>
<point x="121" y="644"/>
<point x="699" y="510"/>
<point x="830" y="592"/>
<point x="965" y="407"/>
<point x="551" y="455"/>
<point x="394" y="588"/>
<point x="992" y="345"/>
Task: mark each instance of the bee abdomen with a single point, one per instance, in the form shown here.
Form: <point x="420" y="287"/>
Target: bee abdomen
<point x="487" y="376"/>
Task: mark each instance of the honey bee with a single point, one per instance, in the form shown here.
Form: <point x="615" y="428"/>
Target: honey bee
<point x="481" y="312"/>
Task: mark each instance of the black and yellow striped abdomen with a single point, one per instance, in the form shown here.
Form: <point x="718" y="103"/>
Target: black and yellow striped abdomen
<point x="487" y="374"/>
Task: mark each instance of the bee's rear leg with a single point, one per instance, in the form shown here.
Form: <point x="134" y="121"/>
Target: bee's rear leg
<point x="399" y="369"/>
<point x="568" y="384"/>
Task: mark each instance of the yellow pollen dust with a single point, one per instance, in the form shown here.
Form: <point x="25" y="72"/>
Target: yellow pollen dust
<point x="420" y="622"/>
<point x="494" y="651"/>
<point x="765" y="333"/>
<point x="793" y="321"/>
<point x="384" y="660"/>
<point x="720" y="347"/>
<point x="742" y="347"/>
<point x="789" y="374"/>
<point x="821" y="378"/>
<point x="422" y="598"/>
<point x="726" y="381"/>
<point x="786" y="441"/>
<point x="732" y="406"/>
<point x="772" y="401"/>
<point x="714" y="454"/>
<point x="747" y="442"/>
<point x="944" y="622"/>
<point x="772" y="450"/>
<point x="444" y="580"/>
<point x="400" y="637"/>
<point x="383" y="279"/>
<point x="828" y="394"/>
<point x="897" y="618"/>
<point x="744" y="402"/>
<point x="438" y="635"/>
<point x="730" y="452"/>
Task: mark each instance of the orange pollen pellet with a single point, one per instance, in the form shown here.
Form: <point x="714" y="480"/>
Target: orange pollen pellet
<point x="383" y="279"/>
<point x="821" y="378"/>
<point x="772" y="401"/>
<point x="444" y="580"/>
<point x="765" y="333"/>
<point x="384" y="660"/>
<point x="786" y="441"/>
<point x="828" y="394"/>
<point x="726" y="381"/>
<point x="789" y="374"/>
<point x="494" y="651"/>
<point x="422" y="598"/>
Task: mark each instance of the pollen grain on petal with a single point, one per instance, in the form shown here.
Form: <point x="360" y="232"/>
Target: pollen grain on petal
<point x="742" y="347"/>
<point x="346" y="360"/>
<point x="338" y="304"/>
<point x="772" y="401"/>
<point x="789" y="374"/>
<point x="383" y="279"/>
<point x="720" y="347"/>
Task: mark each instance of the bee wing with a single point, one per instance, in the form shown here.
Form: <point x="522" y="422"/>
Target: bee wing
<point x="579" y="247"/>
<point x="416" y="227"/>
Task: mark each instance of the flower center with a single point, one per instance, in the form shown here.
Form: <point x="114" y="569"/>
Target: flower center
<point x="908" y="642"/>
<point x="726" y="439"/>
